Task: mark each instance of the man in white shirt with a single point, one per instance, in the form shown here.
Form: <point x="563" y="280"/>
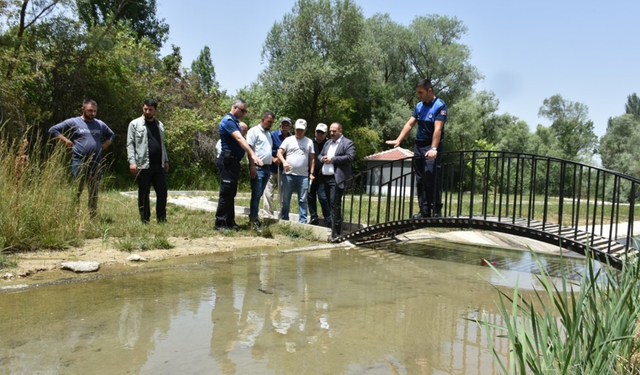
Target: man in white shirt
<point x="298" y="160"/>
<point x="259" y="138"/>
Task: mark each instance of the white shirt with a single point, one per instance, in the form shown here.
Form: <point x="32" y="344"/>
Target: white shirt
<point x="297" y="153"/>
<point x="260" y="140"/>
<point x="327" y="169"/>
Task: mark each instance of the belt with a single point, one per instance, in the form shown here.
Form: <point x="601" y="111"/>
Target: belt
<point x="423" y="143"/>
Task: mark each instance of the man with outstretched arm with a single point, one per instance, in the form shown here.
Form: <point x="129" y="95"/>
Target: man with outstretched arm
<point x="430" y="114"/>
<point x="234" y="147"/>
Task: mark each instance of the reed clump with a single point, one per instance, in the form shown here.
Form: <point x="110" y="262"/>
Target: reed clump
<point x="590" y="327"/>
<point x="38" y="208"/>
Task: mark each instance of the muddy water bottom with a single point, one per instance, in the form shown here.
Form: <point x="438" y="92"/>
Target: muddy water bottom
<point x="322" y="312"/>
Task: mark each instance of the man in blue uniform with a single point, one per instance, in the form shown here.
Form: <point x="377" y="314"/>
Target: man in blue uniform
<point x="233" y="148"/>
<point x="430" y="114"/>
<point x="84" y="135"/>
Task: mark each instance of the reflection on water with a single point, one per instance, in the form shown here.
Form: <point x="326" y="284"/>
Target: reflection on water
<point x="324" y="312"/>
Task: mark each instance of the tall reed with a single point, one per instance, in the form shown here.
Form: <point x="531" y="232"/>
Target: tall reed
<point x="586" y="328"/>
<point x="38" y="207"/>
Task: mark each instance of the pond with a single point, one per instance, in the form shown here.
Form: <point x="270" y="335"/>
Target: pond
<point x="357" y="311"/>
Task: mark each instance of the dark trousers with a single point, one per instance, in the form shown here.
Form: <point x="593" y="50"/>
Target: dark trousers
<point x="87" y="171"/>
<point x="156" y="176"/>
<point x="229" y="171"/>
<point x="317" y="191"/>
<point x="428" y="178"/>
<point x="335" y="194"/>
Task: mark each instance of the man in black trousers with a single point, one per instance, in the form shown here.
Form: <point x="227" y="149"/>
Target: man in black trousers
<point x="148" y="160"/>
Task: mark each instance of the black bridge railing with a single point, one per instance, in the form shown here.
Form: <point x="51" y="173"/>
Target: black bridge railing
<point x="574" y="205"/>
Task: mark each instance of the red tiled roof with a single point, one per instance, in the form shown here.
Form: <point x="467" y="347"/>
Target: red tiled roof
<point x="393" y="154"/>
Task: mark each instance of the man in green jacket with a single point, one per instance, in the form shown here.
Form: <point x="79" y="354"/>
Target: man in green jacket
<point x="148" y="160"/>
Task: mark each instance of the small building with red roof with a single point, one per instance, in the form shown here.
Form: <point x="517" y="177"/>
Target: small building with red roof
<point x="392" y="164"/>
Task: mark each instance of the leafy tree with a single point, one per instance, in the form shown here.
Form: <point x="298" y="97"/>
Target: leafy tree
<point x="572" y="126"/>
<point x="619" y="146"/>
<point x="434" y="52"/>
<point x="544" y="141"/>
<point x="514" y="133"/>
<point x="470" y="121"/>
<point x="317" y="65"/>
<point x="389" y="116"/>
<point x="140" y="14"/>
<point x="633" y="106"/>
<point x="205" y="72"/>
<point x="387" y="40"/>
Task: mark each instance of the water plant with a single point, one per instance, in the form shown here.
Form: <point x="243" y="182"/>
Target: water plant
<point x="584" y="328"/>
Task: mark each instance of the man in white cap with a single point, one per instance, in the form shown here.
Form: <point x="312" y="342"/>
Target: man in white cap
<point x="317" y="189"/>
<point x="298" y="161"/>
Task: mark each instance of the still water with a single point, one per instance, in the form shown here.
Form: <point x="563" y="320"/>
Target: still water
<point x="357" y="311"/>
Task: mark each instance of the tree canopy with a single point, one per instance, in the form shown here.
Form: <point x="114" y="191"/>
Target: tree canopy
<point x="324" y="61"/>
<point x="139" y="14"/>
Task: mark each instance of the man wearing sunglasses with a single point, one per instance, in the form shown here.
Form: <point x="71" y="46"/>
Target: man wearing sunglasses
<point x="234" y="147"/>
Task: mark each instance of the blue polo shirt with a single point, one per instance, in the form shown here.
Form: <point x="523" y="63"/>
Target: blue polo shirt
<point x="427" y="114"/>
<point x="228" y="125"/>
<point x="277" y="138"/>
<point x="85" y="135"/>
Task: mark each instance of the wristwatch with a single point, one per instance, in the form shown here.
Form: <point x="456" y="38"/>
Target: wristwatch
<point x="434" y="149"/>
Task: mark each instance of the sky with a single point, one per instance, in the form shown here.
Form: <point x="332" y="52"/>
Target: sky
<point x="527" y="51"/>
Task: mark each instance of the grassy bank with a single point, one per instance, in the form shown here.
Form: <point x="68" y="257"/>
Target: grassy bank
<point x="39" y="209"/>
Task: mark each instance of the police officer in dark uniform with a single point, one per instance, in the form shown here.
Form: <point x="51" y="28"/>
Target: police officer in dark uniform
<point x="430" y="114"/>
<point x="233" y="148"/>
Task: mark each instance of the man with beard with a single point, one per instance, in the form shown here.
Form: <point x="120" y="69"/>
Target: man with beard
<point x="85" y="141"/>
<point x="148" y="160"/>
<point x="260" y="141"/>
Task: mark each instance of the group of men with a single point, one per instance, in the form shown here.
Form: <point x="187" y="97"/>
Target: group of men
<point x="317" y="169"/>
<point x="292" y="162"/>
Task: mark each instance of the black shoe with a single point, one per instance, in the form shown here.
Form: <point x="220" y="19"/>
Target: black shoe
<point x="221" y="229"/>
<point x="235" y="226"/>
<point x="421" y="216"/>
<point x="314" y="221"/>
<point x="437" y="214"/>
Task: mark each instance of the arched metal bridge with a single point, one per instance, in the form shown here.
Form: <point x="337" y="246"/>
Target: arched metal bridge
<point x="575" y="206"/>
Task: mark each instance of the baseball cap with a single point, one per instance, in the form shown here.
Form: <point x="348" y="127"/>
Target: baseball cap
<point x="301" y="124"/>
<point x="285" y="119"/>
<point x="321" y="128"/>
